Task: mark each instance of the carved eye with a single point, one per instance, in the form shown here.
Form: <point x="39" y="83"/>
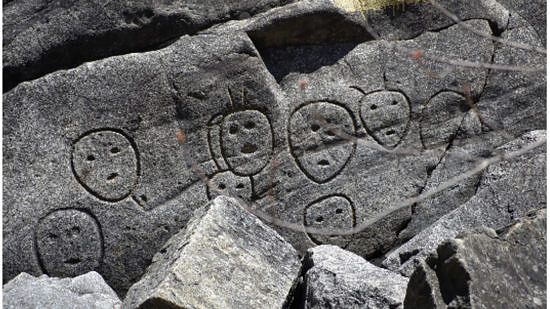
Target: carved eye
<point x="250" y="125"/>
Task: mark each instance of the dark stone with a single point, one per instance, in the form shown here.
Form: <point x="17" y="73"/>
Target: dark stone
<point x="485" y="269"/>
<point x="505" y="191"/>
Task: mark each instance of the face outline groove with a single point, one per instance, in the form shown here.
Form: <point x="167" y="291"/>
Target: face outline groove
<point x="68" y="242"/>
<point x="385" y="115"/>
<point x="246" y="141"/>
<point x="230" y="184"/>
<point x="332" y="211"/>
<point x="106" y="163"/>
<point x="315" y="132"/>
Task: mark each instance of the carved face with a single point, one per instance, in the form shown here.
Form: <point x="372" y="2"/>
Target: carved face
<point x="318" y="142"/>
<point x="105" y="163"/>
<point x="246" y="141"/>
<point x="69" y="243"/>
<point x="331" y="212"/>
<point x="231" y="185"/>
<point x="385" y="115"/>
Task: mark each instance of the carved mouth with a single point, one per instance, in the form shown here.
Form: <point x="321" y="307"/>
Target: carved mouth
<point x="72" y="261"/>
<point x="249" y="148"/>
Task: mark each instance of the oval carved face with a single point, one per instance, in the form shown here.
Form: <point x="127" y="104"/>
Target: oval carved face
<point x="385" y="115"/>
<point x="246" y="141"/>
<point x="69" y="243"/>
<point x="231" y="185"/>
<point x="317" y="135"/>
<point x="331" y="212"/>
<point x="106" y="164"/>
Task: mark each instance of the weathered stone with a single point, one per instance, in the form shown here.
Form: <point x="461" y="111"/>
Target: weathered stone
<point x="340" y="279"/>
<point x="391" y="19"/>
<point x="534" y="12"/>
<point x="84" y="291"/>
<point x="483" y="269"/>
<point x="502" y="82"/>
<point x="276" y="109"/>
<point x="44" y="36"/>
<point x="506" y="191"/>
<point x="497" y="120"/>
<point x="226" y="258"/>
<point x="395" y="20"/>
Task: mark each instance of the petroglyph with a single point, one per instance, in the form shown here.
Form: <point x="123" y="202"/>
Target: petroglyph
<point x="330" y="212"/>
<point x="316" y="142"/>
<point x="385" y="115"/>
<point x="246" y="141"/>
<point x="231" y="185"/>
<point x="105" y="162"/>
<point x="68" y="242"/>
<point x="214" y="142"/>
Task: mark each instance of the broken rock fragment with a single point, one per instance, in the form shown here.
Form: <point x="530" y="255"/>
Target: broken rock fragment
<point x="507" y="190"/>
<point x="485" y="269"/>
<point x="226" y="258"/>
<point x="85" y="291"/>
<point x="341" y="279"/>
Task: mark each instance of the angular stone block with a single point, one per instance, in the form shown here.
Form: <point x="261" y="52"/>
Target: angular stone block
<point x="42" y="36"/>
<point x="507" y="191"/>
<point x="84" y="291"/>
<point x="485" y="269"/>
<point x="341" y="279"/>
<point x="226" y="258"/>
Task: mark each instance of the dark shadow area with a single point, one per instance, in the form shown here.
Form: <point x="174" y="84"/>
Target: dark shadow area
<point x="304" y="59"/>
<point x="306" y="42"/>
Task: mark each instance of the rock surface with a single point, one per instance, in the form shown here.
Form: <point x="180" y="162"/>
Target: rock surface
<point x="485" y="270"/>
<point x="87" y="291"/>
<point x="44" y="36"/>
<point x="340" y="279"/>
<point x="298" y="110"/>
<point x="226" y="258"/>
<point x="506" y="191"/>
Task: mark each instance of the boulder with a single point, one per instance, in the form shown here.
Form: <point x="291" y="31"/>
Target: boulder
<point x="44" y="36"/>
<point x="485" y="269"/>
<point x="506" y="191"/>
<point x="225" y="258"/>
<point x="337" y="278"/>
<point x="296" y="110"/>
<point x="84" y="291"/>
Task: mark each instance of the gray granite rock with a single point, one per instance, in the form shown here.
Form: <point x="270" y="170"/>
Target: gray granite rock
<point x="506" y="191"/>
<point x="485" y="269"/>
<point x="297" y="111"/>
<point x="103" y="160"/>
<point x="503" y="82"/>
<point x="389" y="19"/>
<point x="44" y="36"/>
<point x="534" y="12"/>
<point x="340" y="279"/>
<point x="84" y="291"/>
<point x="226" y="258"/>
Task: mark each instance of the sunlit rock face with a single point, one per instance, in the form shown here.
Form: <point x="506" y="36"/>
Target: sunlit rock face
<point x="325" y="131"/>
